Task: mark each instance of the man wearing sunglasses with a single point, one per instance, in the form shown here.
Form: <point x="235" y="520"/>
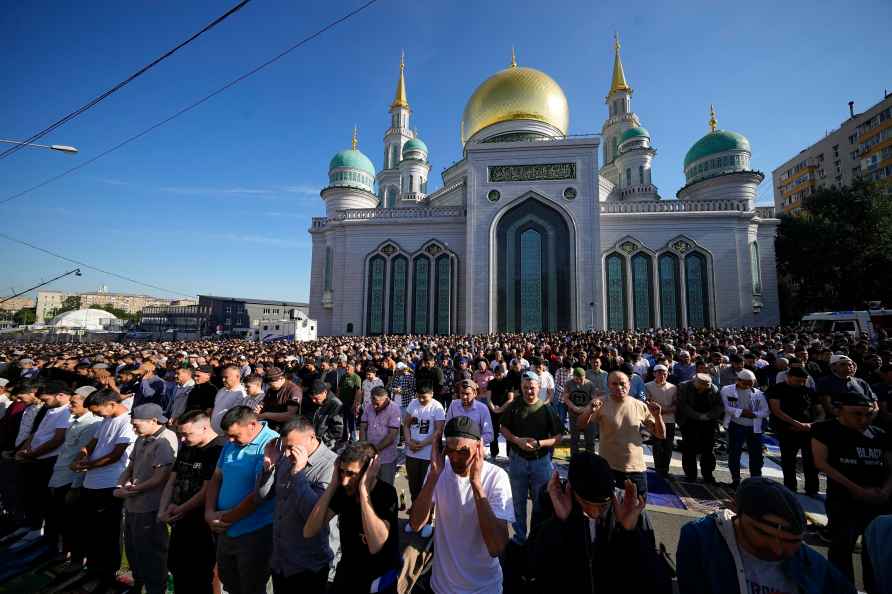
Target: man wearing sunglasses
<point x="596" y="538"/>
<point x="759" y="549"/>
<point x="474" y="507"/>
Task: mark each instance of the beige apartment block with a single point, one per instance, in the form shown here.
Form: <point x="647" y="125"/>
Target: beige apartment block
<point x="16" y="303"/>
<point x="861" y="148"/>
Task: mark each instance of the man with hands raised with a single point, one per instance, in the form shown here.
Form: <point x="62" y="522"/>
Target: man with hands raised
<point x="620" y="419"/>
<point x="469" y="537"/>
<point x="367" y="521"/>
<point x="601" y="538"/>
<point x="297" y="470"/>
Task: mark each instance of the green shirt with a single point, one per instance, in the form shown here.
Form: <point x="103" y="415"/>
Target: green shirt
<point x="536" y="421"/>
<point x="347" y="388"/>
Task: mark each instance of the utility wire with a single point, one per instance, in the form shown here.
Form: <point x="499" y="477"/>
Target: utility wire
<point x="85" y="265"/>
<point x="192" y="106"/>
<point x="125" y="82"/>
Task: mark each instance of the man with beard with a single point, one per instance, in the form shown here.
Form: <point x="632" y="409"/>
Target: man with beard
<point x="474" y="507"/>
<point x="367" y="521"/>
<point x="600" y="537"/>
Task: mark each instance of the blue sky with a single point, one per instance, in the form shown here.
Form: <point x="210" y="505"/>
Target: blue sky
<point x="219" y="200"/>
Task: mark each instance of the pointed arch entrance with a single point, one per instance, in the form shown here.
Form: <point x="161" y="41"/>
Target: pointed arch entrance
<point x="533" y="264"/>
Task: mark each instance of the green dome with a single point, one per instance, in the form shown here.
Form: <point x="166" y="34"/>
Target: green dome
<point x="352" y="159"/>
<point x="415" y="145"/>
<point x="633" y="133"/>
<point x="716" y="142"/>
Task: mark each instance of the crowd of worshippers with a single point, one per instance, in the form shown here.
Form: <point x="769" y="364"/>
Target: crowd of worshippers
<point x="239" y="463"/>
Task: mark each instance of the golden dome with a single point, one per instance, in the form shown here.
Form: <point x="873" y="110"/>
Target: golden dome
<point x="515" y="93"/>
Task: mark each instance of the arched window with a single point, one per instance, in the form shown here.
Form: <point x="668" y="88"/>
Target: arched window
<point x="615" y="266"/>
<point x="399" y="280"/>
<point x="696" y="290"/>
<point x="755" y="268"/>
<point x="641" y="174"/>
<point x="519" y="254"/>
<point x="421" y="295"/>
<point x="390" y="197"/>
<point x="530" y="281"/>
<point x="327" y="272"/>
<point x="394" y="155"/>
<point x="670" y="292"/>
<point x="642" y="291"/>
<point x="375" y="318"/>
<point x="628" y="176"/>
<point x="443" y="302"/>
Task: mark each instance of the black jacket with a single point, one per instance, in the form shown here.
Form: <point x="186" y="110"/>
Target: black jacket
<point x="328" y="420"/>
<point x="563" y="558"/>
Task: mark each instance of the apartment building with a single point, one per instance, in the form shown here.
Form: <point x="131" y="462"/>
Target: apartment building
<point x="861" y="148"/>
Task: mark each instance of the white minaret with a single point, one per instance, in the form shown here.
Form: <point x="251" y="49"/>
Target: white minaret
<point x="389" y="179"/>
<point x="414" y="169"/>
<point x="633" y="166"/>
<point x="620" y="117"/>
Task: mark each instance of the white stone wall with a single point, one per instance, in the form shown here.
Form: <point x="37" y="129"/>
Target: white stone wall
<point x="480" y="297"/>
<point x="341" y="198"/>
<point x="353" y="241"/>
<point x="717" y="233"/>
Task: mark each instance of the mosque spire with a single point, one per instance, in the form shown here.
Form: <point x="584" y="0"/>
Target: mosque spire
<point x="713" y="123"/>
<point x="619" y="77"/>
<point x="355" y="138"/>
<point x="400" y="99"/>
<point x="513" y="58"/>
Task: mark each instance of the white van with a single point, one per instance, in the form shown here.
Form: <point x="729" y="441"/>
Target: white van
<point x="852" y="323"/>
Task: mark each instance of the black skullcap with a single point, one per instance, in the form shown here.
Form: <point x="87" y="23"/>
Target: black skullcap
<point x="319" y="387"/>
<point x="758" y="497"/>
<point x="205" y="369"/>
<point x="797" y="372"/>
<point x="462" y="427"/>
<point x="590" y="476"/>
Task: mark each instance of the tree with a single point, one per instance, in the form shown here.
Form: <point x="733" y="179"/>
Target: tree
<point x="25" y="316"/>
<point x="837" y="253"/>
<point x="70" y="303"/>
<point x="118" y="313"/>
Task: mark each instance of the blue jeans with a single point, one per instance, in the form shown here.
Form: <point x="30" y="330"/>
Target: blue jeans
<point x="560" y="412"/>
<point x="527" y="477"/>
<point x="737" y="436"/>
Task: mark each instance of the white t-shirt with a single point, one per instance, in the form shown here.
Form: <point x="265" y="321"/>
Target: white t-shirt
<point x="546" y="381"/>
<point x="223" y="401"/>
<point x="641" y="367"/>
<point x="766" y="576"/>
<point x="55" y="418"/>
<point x="427" y="417"/>
<point x="462" y="565"/>
<point x="112" y="431"/>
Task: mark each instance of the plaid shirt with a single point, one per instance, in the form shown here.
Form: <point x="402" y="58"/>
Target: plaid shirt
<point x="560" y="377"/>
<point x="406" y="383"/>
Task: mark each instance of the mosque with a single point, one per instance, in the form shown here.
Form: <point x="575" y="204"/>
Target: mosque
<point x="530" y="232"/>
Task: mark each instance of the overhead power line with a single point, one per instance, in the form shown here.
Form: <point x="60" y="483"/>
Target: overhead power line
<point x="125" y="82"/>
<point x="85" y="265"/>
<point x="192" y="106"/>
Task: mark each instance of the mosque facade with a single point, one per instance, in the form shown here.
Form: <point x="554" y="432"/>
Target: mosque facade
<point x="536" y="230"/>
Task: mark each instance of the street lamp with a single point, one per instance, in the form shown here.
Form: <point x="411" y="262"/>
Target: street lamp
<point x="62" y="148"/>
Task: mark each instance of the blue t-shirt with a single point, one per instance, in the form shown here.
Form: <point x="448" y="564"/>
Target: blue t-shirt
<point x="241" y="465"/>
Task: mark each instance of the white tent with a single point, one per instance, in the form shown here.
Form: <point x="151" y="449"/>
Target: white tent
<point x="83" y="319"/>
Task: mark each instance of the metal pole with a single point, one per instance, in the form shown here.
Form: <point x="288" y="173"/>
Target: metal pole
<point x="76" y="271"/>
